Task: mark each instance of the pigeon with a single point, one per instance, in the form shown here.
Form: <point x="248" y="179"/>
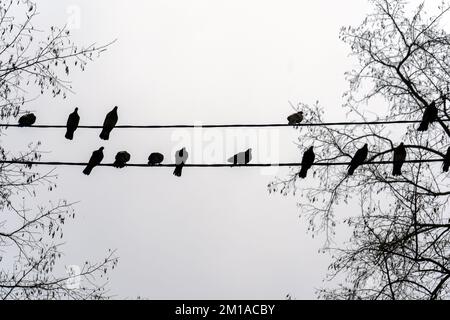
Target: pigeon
<point x="180" y="159"/>
<point x="307" y="162"/>
<point x="399" y="159"/>
<point x="96" y="158"/>
<point x="295" y="118"/>
<point x="155" y="159"/>
<point x="358" y="159"/>
<point x="446" y="165"/>
<point x="429" y="116"/>
<point x="109" y="124"/>
<point x="122" y="158"/>
<point x="72" y="124"/>
<point x="241" y="158"/>
<point x="27" y="120"/>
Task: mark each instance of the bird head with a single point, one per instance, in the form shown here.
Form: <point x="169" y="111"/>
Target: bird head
<point x="76" y="109"/>
<point x="311" y="148"/>
<point x="115" y="108"/>
<point x="102" y="148"/>
<point x="366" y="146"/>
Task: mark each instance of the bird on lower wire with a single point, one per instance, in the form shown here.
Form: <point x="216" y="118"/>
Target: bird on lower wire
<point x="155" y="159"/>
<point x="96" y="159"/>
<point x="307" y="162"/>
<point x="358" y="159"/>
<point x="27" y="120"/>
<point x="295" y="118"/>
<point x="446" y="164"/>
<point x="241" y="158"/>
<point x="72" y="124"/>
<point x="181" y="157"/>
<point x="122" y="158"/>
<point x="399" y="159"/>
<point x="430" y="115"/>
<point x="109" y="123"/>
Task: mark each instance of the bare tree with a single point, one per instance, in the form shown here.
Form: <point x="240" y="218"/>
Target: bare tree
<point x="31" y="59"/>
<point x="399" y="248"/>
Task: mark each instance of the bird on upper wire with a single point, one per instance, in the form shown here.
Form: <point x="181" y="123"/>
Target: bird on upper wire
<point x="399" y="159"/>
<point x="96" y="159"/>
<point x="155" y="159"/>
<point x="295" y="118"/>
<point x="358" y="159"/>
<point x="122" y="158"/>
<point x="27" y="120"/>
<point x="446" y="164"/>
<point x="109" y="124"/>
<point x="241" y="158"/>
<point x="72" y="124"/>
<point x="181" y="157"/>
<point x="308" y="160"/>
<point x="430" y="115"/>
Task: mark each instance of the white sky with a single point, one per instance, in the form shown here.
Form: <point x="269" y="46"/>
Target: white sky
<point x="215" y="233"/>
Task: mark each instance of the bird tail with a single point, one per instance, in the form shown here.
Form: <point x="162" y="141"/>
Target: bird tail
<point x="104" y="135"/>
<point x="178" y="170"/>
<point x="445" y="167"/>
<point x="397" y="171"/>
<point x="423" y="126"/>
<point x="87" y="171"/>
<point x="69" y="135"/>
<point x="303" y="173"/>
<point x="351" y="170"/>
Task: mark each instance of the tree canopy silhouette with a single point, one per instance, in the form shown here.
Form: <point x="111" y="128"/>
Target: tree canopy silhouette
<point x="30" y="236"/>
<point x="400" y="240"/>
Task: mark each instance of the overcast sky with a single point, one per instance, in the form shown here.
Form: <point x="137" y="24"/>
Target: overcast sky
<point x="214" y="233"/>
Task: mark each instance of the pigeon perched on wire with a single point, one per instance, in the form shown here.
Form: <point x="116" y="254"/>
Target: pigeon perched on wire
<point x="155" y="159"/>
<point x="295" y="118"/>
<point x="241" y="158"/>
<point x="72" y="124"/>
<point x="181" y="157"/>
<point x="122" y="158"/>
<point x="96" y="159"/>
<point x="446" y="164"/>
<point x="109" y="123"/>
<point x="358" y="159"/>
<point x="27" y="120"/>
<point x="307" y="162"/>
<point x="399" y="159"/>
<point x="430" y="115"/>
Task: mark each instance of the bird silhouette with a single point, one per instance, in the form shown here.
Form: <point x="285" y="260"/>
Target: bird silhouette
<point x="122" y="158"/>
<point x="295" y="118"/>
<point x="446" y="164"/>
<point x="96" y="159"/>
<point x="430" y="115"/>
<point x="109" y="123"/>
<point x="241" y="158"/>
<point x="72" y="124"/>
<point x="399" y="159"/>
<point x="358" y="159"/>
<point x="155" y="159"/>
<point x="307" y="162"/>
<point x="27" y="120"/>
<point x="181" y="157"/>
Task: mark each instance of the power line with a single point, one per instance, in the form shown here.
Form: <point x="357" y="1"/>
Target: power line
<point x="213" y="165"/>
<point x="191" y="126"/>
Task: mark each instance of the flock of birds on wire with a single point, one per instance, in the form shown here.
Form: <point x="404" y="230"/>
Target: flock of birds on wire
<point x="122" y="158"/>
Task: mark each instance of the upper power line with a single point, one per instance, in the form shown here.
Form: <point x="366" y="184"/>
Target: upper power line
<point x="193" y="126"/>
